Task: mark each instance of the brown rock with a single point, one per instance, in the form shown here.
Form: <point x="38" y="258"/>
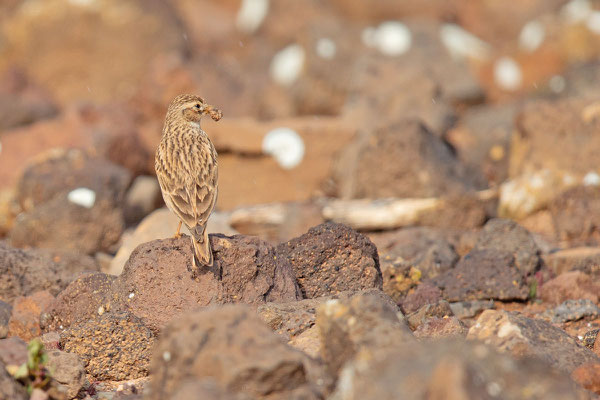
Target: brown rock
<point x="399" y="278"/>
<point x="252" y="360"/>
<point x="208" y="389"/>
<point x="401" y="160"/>
<point x="25" y="319"/>
<point x="51" y="341"/>
<point x="159" y="281"/>
<point x="575" y="215"/>
<point x="291" y="319"/>
<point x="423" y="295"/>
<point x="68" y="374"/>
<point x="588" y="376"/>
<point x="78" y="302"/>
<point x="22" y="101"/>
<point x="571" y="285"/>
<point x="331" y="258"/>
<point x="23" y="272"/>
<point x="506" y="235"/>
<point x="113" y="346"/>
<point x="439" y="309"/>
<point x="451" y="370"/>
<point x="584" y="259"/>
<point x="525" y="337"/>
<point x="5" y="313"/>
<point x="437" y="328"/>
<point x="367" y="320"/>
<point x="483" y="274"/>
<point x="9" y="388"/>
<point x="13" y="351"/>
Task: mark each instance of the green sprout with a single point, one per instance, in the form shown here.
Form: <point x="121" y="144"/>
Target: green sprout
<point x="33" y="374"/>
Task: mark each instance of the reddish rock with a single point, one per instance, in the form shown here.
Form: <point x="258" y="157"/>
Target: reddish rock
<point x="588" y="376"/>
<point x="437" y="328"/>
<point x="13" y="351"/>
<point x="424" y="294"/>
<point x="575" y="214"/>
<point x="439" y="309"/>
<point x="506" y="235"/>
<point x="293" y="318"/>
<point x="578" y="258"/>
<point x="25" y="319"/>
<point x="572" y="285"/>
<point x="331" y="258"/>
<point x="159" y="281"/>
<point x="51" y="341"/>
<point x="483" y="274"/>
<point x="524" y="337"/>
<point x="367" y="320"/>
<point x="253" y="360"/>
<point x="113" y="346"/>
<point x="83" y="299"/>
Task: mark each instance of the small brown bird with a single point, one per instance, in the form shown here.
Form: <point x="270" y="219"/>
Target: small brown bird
<point x="186" y="167"/>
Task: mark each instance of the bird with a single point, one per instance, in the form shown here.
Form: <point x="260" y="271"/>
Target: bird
<point x="187" y="170"/>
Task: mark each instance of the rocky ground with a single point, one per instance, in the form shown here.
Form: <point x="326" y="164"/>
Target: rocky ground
<point x="409" y="200"/>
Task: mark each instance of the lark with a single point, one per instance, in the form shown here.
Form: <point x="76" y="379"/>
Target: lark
<point x="187" y="171"/>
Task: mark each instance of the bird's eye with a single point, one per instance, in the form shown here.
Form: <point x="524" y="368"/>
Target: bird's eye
<point x="197" y="106"/>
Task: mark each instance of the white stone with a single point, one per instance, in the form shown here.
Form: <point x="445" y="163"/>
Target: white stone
<point x="593" y="22"/>
<point x="287" y="64"/>
<point x="557" y="83"/>
<point x="285" y="145"/>
<point x="131" y="295"/>
<point x="591" y="179"/>
<point x="82" y="197"/>
<point x="509" y="329"/>
<point x="576" y="11"/>
<point x="463" y="44"/>
<point x="326" y="48"/>
<point x="507" y="74"/>
<point x="251" y="15"/>
<point x="166" y="356"/>
<point x="392" y="38"/>
<point x="532" y="36"/>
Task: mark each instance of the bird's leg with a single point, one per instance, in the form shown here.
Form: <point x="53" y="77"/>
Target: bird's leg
<point x="178" y="235"/>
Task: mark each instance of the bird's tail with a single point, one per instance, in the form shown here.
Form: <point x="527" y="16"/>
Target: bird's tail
<point x="202" y="251"/>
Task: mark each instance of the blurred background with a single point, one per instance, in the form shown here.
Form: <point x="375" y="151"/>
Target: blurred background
<point x="473" y="108"/>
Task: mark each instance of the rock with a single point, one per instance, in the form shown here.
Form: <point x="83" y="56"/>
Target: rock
<point x="78" y="302"/>
<point x="572" y="310"/>
<point x="113" y="346"/>
<point x="25" y="319"/>
<point x="68" y="374"/>
<point x="575" y="216"/>
<point x="22" y="101"/>
<point x="578" y="258"/>
<point x="436" y="328"/>
<point x="253" y="360"/>
<point x="77" y="194"/>
<point x="5" y="313"/>
<point x="141" y="199"/>
<point x="420" y="165"/>
<point x="367" y="320"/>
<point x="291" y="319"/>
<point x="51" y="341"/>
<point x="72" y="263"/>
<point x="469" y="309"/>
<point x="399" y="278"/>
<point x="331" y="258"/>
<point x="9" y="388"/>
<point x="423" y="295"/>
<point x="439" y="309"/>
<point x="39" y="394"/>
<point x="205" y="389"/>
<point x="483" y="274"/>
<point x="160" y="224"/>
<point x="508" y="236"/>
<point x="450" y="370"/>
<point x="571" y="285"/>
<point x="60" y="35"/>
<point x="23" y="272"/>
<point x="424" y="248"/>
<point x="525" y="337"/>
<point x="159" y="281"/>
<point x="588" y="376"/>
<point x="13" y="351"/>
<point x="308" y="342"/>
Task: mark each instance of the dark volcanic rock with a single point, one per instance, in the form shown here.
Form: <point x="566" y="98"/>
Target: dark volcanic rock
<point x="572" y="310"/>
<point x="5" y="312"/>
<point x="159" y="281"/>
<point x="525" y="337"/>
<point x="113" y="346"/>
<point x="332" y="258"/>
<point x="231" y="345"/>
<point x="78" y="302"/>
<point x="576" y="215"/>
<point x="506" y="235"/>
<point x="424" y="294"/>
<point x="9" y="388"/>
<point x="483" y="274"/>
<point x="367" y="320"/>
<point x="23" y="272"/>
<point x="451" y="370"/>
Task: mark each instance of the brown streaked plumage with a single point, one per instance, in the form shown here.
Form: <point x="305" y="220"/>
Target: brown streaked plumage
<point x="186" y="167"/>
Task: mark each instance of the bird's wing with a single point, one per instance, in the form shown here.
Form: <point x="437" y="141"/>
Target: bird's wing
<point x="177" y="199"/>
<point x="205" y="196"/>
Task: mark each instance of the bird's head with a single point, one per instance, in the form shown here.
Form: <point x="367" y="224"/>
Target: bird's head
<point x="192" y="108"/>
